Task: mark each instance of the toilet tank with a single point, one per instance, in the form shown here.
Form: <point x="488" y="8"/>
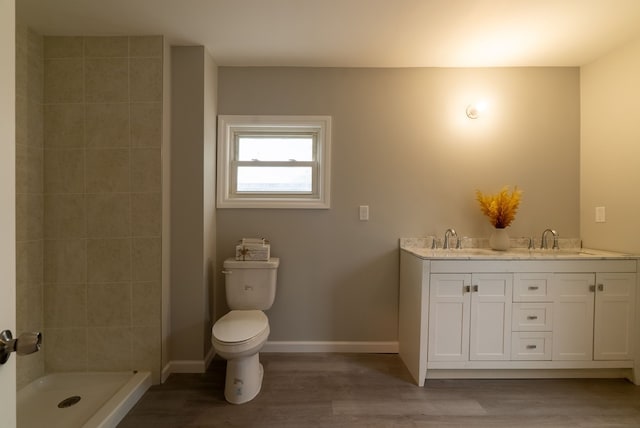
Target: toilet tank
<point x="250" y="284"/>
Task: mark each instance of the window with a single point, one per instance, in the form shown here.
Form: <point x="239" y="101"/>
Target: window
<point x="274" y="161"/>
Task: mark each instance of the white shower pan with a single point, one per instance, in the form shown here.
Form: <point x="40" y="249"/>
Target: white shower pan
<point x="80" y="400"/>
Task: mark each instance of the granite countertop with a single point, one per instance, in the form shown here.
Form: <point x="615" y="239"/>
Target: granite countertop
<point x="421" y="247"/>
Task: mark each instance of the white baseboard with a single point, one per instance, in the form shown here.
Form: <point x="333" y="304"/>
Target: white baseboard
<point x="187" y="366"/>
<point x="200" y="366"/>
<point x="347" y="347"/>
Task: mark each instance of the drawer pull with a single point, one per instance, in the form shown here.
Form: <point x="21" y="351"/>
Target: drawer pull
<point x="532" y="317"/>
<point x="532" y="346"/>
<point x="533" y="287"/>
<point x="600" y="287"/>
<point x="466" y="289"/>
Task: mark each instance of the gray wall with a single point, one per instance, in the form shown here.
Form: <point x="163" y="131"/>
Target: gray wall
<point x="402" y="145"/>
<point x="610" y="151"/>
<point x="192" y="210"/>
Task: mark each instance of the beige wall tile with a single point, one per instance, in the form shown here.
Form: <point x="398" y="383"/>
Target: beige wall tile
<point x="147" y="259"/>
<point x="107" y="170"/>
<point x="35" y="304"/>
<point x="29" y="216"/>
<point x="65" y="349"/>
<point x="64" y="216"/>
<point x="65" y="261"/>
<point x="146" y="46"/>
<point x="106" y="80"/>
<point x="64" y="170"/>
<point x="64" y="125"/>
<point x="108" y="215"/>
<point x="34" y="124"/>
<point x="62" y="47"/>
<point x="109" y="305"/>
<point x="29" y="169"/>
<point x="110" y="349"/>
<point x="107" y="125"/>
<point x="146" y="343"/>
<point x="145" y="170"/>
<point x="146" y="214"/>
<point x="108" y="260"/>
<point x="146" y="124"/>
<point x="29" y="262"/>
<point x="22" y="111"/>
<point x="65" y="305"/>
<point x="63" y="80"/>
<point x="146" y="303"/>
<point x="106" y="46"/>
<point x="146" y="79"/>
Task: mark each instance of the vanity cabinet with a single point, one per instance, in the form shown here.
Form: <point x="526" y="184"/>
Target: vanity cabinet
<point x="470" y="317"/>
<point x="518" y="318"/>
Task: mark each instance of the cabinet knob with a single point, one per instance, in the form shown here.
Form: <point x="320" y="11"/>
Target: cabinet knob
<point x="466" y="288"/>
<point x="475" y="288"/>
<point x="600" y="287"/>
<point x="592" y="288"/>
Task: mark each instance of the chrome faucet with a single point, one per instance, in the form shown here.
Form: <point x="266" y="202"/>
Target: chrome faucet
<point x="543" y="243"/>
<point x="447" y="234"/>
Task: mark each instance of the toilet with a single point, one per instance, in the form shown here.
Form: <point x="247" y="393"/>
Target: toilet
<point x="240" y="334"/>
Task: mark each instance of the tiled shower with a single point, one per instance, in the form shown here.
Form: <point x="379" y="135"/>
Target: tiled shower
<point x="89" y="202"/>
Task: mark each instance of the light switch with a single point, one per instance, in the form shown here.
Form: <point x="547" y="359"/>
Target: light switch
<point x="364" y="212"/>
<point x="600" y="215"/>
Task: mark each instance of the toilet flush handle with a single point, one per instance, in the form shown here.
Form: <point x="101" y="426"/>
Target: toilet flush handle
<point x="227" y="272"/>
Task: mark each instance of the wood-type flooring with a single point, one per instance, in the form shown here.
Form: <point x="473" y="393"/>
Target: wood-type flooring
<point x="375" y="390"/>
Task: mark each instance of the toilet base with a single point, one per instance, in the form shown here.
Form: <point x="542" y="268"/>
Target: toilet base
<point x="243" y="379"/>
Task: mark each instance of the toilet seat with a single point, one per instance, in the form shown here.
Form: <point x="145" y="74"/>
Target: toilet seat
<point x="240" y="326"/>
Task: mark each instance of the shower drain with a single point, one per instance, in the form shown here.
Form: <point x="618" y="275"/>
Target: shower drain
<point x="68" y="402"/>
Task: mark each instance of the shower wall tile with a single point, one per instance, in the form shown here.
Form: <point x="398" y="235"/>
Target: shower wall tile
<point x="146" y="304"/>
<point x="64" y="171"/>
<point x="110" y="348"/>
<point x="99" y="117"/>
<point x="145" y="46"/>
<point x="108" y="215"/>
<point x="106" y="46"/>
<point x="65" y="261"/>
<point x="107" y="80"/>
<point x="63" y="47"/>
<point x="108" y="260"/>
<point x="146" y="170"/>
<point x="29" y="213"/>
<point x="109" y="305"/>
<point x="107" y="170"/>
<point x="146" y="346"/>
<point x="29" y="262"/>
<point x="65" y="349"/>
<point x="147" y="259"/>
<point x="65" y="216"/>
<point x="146" y="124"/>
<point x="146" y="214"/>
<point x="29" y="169"/>
<point x="146" y="79"/>
<point x="63" y="80"/>
<point x="107" y="125"/>
<point x="65" y="305"/>
<point x="64" y="125"/>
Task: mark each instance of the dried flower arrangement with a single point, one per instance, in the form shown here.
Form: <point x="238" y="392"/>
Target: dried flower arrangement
<point x="500" y="208"/>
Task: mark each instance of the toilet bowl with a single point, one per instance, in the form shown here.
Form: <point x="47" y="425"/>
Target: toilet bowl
<point x="238" y="337"/>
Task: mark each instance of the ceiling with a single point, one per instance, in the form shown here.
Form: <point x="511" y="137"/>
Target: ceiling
<point x="359" y="33"/>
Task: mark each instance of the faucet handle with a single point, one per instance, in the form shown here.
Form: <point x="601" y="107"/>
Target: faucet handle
<point x="531" y="244"/>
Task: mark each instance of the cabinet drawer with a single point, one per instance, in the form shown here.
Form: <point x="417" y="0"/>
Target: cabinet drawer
<point x="532" y="287"/>
<point x="532" y="317"/>
<point x="527" y="345"/>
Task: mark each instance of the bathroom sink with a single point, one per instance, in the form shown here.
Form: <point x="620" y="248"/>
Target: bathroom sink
<point x="514" y="253"/>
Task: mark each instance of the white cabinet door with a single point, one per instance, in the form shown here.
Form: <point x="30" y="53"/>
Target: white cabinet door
<point x="614" y="316"/>
<point x="573" y="306"/>
<point x="491" y="300"/>
<point x="449" y="308"/>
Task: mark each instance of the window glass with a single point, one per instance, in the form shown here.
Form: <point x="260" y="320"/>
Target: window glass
<point x="276" y="148"/>
<point x="274" y="179"/>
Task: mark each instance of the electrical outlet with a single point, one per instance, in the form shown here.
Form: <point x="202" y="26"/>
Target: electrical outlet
<point x="600" y="215"/>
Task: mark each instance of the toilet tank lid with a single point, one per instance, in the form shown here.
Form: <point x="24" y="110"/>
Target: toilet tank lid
<point x="232" y="263"/>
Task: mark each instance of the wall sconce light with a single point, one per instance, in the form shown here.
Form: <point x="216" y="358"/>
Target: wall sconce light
<point x="475" y="110"/>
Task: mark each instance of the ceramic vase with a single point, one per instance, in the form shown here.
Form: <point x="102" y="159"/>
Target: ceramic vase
<point x="499" y="239"/>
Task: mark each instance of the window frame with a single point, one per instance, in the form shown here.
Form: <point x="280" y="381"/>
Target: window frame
<point x="232" y="127"/>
